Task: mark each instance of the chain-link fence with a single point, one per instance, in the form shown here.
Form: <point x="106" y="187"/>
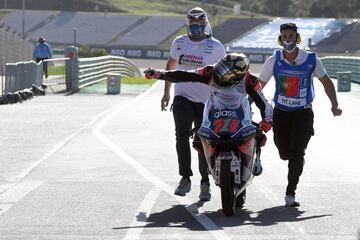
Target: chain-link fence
<point x="55" y="76"/>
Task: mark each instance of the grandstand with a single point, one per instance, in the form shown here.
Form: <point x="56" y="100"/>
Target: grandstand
<point x="346" y="40"/>
<point x="152" y="32"/>
<point x="34" y="19"/>
<point x="95" y="29"/>
<point x="92" y="28"/>
<point x="264" y="39"/>
<point x="121" y="33"/>
<point x="235" y="27"/>
<point x="13" y="48"/>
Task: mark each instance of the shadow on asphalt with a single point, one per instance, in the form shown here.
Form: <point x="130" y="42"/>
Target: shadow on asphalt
<point x="175" y="217"/>
<point x="266" y="217"/>
<point x="178" y="217"/>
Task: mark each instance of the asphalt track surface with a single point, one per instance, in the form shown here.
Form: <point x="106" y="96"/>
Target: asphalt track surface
<point x="94" y="166"/>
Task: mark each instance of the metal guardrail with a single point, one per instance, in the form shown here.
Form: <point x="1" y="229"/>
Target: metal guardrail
<point x="20" y="75"/>
<point x="71" y="72"/>
<point x="92" y="70"/>
<point x="339" y="64"/>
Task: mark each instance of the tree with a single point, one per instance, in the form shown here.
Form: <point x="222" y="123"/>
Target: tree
<point x="277" y="8"/>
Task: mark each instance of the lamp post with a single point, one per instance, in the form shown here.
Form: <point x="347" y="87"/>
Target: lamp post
<point x="74" y="36"/>
<point x="23" y="19"/>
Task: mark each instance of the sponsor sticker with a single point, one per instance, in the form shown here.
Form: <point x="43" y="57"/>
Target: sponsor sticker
<point x="291" y="102"/>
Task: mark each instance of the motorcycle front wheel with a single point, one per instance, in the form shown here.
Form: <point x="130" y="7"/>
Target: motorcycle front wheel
<point x="227" y="190"/>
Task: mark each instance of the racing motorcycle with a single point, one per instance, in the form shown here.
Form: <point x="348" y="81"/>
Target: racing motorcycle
<point x="228" y="138"/>
<point x="231" y="143"/>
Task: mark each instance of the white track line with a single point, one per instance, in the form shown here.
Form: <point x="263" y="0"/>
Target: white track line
<point x="191" y="208"/>
<point x="65" y="141"/>
<point x="139" y="222"/>
<point x="17" y="192"/>
<point x="15" y="184"/>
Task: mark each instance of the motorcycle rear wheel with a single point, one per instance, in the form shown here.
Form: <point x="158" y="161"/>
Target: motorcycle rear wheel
<point x="227" y="190"/>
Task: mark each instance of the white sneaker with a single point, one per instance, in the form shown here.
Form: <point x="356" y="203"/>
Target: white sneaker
<point x="290" y="201"/>
<point x="205" y="194"/>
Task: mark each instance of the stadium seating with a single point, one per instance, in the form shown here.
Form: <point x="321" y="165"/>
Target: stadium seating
<point x="265" y="37"/>
<point x="13" y="48"/>
<point x="346" y="40"/>
<point x="235" y="27"/>
<point x="116" y="30"/>
<point x="152" y="32"/>
<point x="91" y="28"/>
<point x="32" y="18"/>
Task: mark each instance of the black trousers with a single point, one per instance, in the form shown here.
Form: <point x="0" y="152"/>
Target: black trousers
<point x="45" y="65"/>
<point x="292" y="132"/>
<point x="185" y="114"/>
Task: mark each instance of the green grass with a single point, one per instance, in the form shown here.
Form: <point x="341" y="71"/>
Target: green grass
<point x="137" y="80"/>
<point x="56" y="70"/>
<point x="133" y="81"/>
<point x="176" y="7"/>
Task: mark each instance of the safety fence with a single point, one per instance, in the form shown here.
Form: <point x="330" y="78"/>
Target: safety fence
<point x="335" y="64"/>
<point x="67" y="74"/>
<point x="93" y="70"/>
<point x="22" y="75"/>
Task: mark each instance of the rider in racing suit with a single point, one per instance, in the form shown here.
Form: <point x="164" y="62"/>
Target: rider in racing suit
<point x="231" y="82"/>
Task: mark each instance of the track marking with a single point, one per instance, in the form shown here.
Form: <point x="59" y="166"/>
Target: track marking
<point x="205" y="221"/>
<point x="15" y="185"/>
<point x="17" y="192"/>
<point x="139" y="222"/>
<point x="65" y="141"/>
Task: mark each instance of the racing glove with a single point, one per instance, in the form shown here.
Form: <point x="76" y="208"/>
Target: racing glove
<point x="153" y="73"/>
<point x="265" y="126"/>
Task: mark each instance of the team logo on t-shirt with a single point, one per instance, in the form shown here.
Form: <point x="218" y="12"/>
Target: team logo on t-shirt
<point x="191" y="60"/>
<point x="289" y="85"/>
<point x="208" y="49"/>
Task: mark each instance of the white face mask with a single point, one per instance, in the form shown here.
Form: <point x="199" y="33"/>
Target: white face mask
<point x="289" y="46"/>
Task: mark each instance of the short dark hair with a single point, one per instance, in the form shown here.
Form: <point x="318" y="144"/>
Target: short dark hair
<point x="41" y="40"/>
<point x="288" y="26"/>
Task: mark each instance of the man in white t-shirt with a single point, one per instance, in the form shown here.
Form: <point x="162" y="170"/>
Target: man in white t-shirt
<point x="194" y="50"/>
<point x="293" y="70"/>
